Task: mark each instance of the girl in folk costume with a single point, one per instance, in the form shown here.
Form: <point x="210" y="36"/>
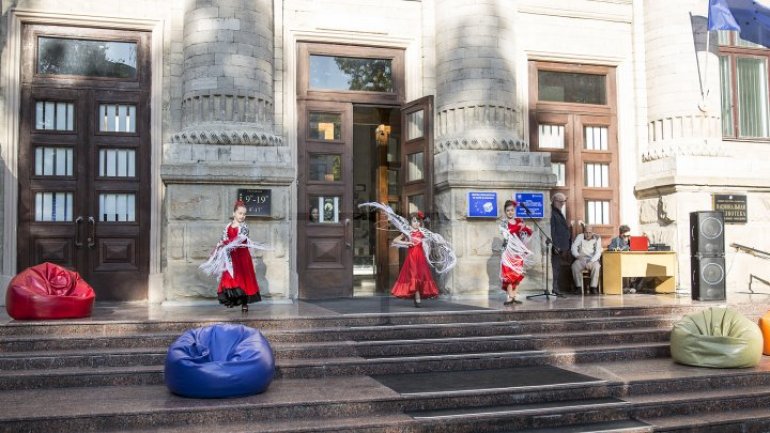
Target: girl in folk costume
<point x="231" y="263"/>
<point x="516" y="256"/>
<point x="426" y="250"/>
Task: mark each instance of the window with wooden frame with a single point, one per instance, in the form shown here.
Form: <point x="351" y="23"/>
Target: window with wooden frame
<point x="743" y="70"/>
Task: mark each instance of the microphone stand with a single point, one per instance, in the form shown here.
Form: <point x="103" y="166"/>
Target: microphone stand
<point x="546" y="252"/>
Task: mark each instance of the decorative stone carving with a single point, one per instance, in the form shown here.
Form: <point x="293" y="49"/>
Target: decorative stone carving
<point x="481" y="143"/>
<point x="230" y="133"/>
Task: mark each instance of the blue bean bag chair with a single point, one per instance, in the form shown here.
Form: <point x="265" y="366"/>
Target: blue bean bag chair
<point x="221" y="360"/>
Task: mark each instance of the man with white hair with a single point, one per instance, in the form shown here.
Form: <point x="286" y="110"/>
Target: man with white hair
<point x="587" y="250"/>
<point x="560" y="235"/>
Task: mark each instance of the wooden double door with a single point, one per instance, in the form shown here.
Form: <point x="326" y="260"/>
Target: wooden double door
<point x="398" y="161"/>
<point x="84" y="186"/>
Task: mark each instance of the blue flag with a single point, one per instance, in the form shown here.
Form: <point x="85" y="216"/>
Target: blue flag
<point x="750" y="18"/>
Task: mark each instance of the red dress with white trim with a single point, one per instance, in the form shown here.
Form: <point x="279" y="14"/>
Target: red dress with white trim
<point x="415" y="275"/>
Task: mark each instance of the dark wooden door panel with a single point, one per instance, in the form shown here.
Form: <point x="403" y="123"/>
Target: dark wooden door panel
<point x="417" y="156"/>
<point x="83" y="142"/>
<point x="326" y="262"/>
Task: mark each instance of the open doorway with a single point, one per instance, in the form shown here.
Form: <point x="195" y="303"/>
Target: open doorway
<point x="376" y="174"/>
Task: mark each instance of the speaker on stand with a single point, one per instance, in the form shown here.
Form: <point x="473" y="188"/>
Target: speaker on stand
<point x="707" y="256"/>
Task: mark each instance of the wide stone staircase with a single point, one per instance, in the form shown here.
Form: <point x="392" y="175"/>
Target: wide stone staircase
<point x="546" y="371"/>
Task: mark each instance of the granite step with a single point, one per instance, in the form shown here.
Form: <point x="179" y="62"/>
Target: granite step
<point x="110" y="356"/>
<point x="323" y="367"/>
<point x="701" y="401"/>
<point x="24" y="343"/>
<point x="135" y="407"/>
<point x="754" y="420"/>
<point x="308" y="368"/>
<point x="88" y="327"/>
<point x="619" y="426"/>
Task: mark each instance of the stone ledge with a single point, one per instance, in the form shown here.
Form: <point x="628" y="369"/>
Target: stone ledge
<point x="227" y="173"/>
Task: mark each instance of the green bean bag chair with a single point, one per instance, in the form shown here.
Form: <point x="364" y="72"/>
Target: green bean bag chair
<point x="716" y="338"/>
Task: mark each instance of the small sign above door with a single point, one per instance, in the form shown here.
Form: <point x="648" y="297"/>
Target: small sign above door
<point x="257" y="201"/>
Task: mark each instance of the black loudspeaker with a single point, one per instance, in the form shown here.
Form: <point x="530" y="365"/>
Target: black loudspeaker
<point x="708" y="278"/>
<point x="707" y="233"/>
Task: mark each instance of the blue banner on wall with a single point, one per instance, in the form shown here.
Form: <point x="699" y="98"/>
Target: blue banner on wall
<point x="533" y="202"/>
<point x="482" y="204"/>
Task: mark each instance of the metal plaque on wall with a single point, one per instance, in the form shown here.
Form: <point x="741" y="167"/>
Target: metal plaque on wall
<point x="733" y="207"/>
<point x="257" y="201"/>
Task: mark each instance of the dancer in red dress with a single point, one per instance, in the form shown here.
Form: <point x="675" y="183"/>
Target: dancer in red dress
<point x="426" y="250"/>
<point x="515" y="256"/>
<point x="414" y="280"/>
<point x="231" y="262"/>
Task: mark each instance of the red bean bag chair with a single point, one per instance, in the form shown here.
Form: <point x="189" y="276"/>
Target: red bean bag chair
<point x="48" y="291"/>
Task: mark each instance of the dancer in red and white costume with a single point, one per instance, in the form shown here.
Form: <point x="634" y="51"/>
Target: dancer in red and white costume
<point x="516" y="257"/>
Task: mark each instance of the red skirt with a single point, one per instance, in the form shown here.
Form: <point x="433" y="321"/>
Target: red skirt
<point x="242" y="288"/>
<point x="415" y="276"/>
<point x="509" y="276"/>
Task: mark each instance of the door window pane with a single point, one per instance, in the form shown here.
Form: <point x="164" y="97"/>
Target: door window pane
<point x="415" y="166"/>
<point x="414" y="125"/>
<point x="325" y="126"/>
<point x="60" y="56"/>
<point x="550" y="136"/>
<point x="597" y="175"/>
<point x="598" y="212"/>
<point x="53" y="206"/>
<point x="572" y="87"/>
<point x="394" y="188"/>
<point x="416" y="203"/>
<point x="752" y="97"/>
<point x="351" y="73"/>
<point x="595" y="137"/>
<point x="53" y="161"/>
<point x="326" y="168"/>
<point x="117" y="163"/>
<point x="117" y="207"/>
<point x="54" y="116"/>
<point x="117" y="118"/>
<point x="559" y="169"/>
<point x="324" y="209"/>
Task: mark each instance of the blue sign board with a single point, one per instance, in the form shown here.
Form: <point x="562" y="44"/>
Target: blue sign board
<point x="482" y="205"/>
<point x="533" y="202"/>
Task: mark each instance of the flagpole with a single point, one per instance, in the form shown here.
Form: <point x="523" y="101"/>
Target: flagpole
<point x="706" y="68"/>
<point x="697" y="59"/>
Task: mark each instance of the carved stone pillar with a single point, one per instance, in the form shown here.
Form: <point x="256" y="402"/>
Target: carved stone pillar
<point x="480" y="144"/>
<point x="680" y="121"/>
<point x="226" y="142"/>
<point x="228" y="75"/>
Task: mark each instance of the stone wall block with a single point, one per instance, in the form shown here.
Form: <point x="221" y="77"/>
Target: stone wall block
<point x="194" y="202"/>
<point x="175" y="242"/>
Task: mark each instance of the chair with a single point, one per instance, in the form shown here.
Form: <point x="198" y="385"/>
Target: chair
<point x="48" y="291"/>
<point x="221" y="360"/>
<point x="717" y="338"/>
<point x="587" y="280"/>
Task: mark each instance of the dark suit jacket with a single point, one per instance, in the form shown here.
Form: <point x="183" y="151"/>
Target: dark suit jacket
<point x="560" y="233"/>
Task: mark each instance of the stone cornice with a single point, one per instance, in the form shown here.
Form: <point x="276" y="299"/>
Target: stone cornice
<point x="481" y="142"/>
<point x="220" y="134"/>
<point x="661" y="151"/>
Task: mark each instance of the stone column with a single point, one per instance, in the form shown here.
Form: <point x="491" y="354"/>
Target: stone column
<point x="480" y="143"/>
<point x="226" y="142"/>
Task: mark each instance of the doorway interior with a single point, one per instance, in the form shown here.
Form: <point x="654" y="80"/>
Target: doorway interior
<point x="376" y="177"/>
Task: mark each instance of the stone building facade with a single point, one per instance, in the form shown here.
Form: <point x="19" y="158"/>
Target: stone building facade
<point x="231" y="102"/>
